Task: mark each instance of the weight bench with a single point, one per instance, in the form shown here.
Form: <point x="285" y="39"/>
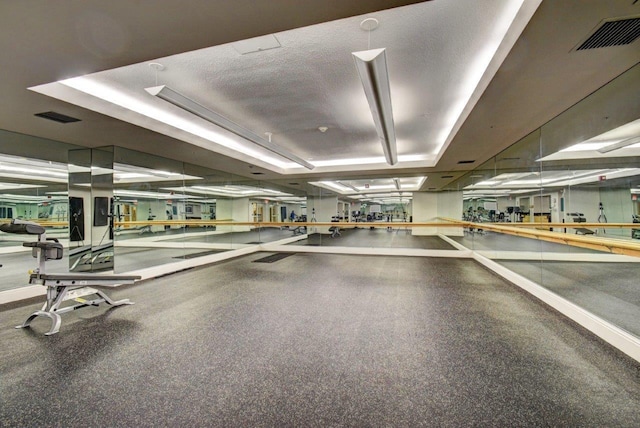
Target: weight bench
<point x="63" y="286"/>
<point x="580" y="218"/>
<point x="300" y="230"/>
<point x="584" y="231"/>
<point x="335" y="231"/>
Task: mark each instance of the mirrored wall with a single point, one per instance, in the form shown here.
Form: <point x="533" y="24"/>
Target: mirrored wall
<point x="576" y="181"/>
<point x="559" y="207"/>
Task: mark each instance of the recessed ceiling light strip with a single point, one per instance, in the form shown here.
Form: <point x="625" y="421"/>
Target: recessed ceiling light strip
<point x="621" y="144"/>
<point x="354" y="188"/>
<point x="179" y="100"/>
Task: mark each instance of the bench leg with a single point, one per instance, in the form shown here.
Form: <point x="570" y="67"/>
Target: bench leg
<point x="109" y="301"/>
<point x="55" y="321"/>
<point x="56" y="295"/>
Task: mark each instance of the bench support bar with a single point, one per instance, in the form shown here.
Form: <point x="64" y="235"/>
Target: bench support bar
<point x="57" y="294"/>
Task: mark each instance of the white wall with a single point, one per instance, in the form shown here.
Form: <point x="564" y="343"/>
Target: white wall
<point x="583" y="201"/>
<point x="450" y="206"/>
<point x="325" y="208"/>
<point x="618" y="207"/>
<point x="240" y="209"/>
<point x="233" y="209"/>
<point x="503" y="203"/>
<point x="428" y="206"/>
<point x="155" y="208"/>
<point x="425" y="209"/>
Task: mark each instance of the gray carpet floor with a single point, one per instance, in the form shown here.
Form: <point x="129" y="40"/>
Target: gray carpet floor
<point x="316" y="340"/>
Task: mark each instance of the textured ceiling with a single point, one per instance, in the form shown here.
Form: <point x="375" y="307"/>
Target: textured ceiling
<point x="439" y="54"/>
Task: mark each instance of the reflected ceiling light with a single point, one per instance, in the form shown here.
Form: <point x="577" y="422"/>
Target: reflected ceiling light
<point x="619" y="145"/>
<point x="421" y="181"/>
<point x="179" y="100"/>
<point x="354" y="188"/>
<point x="16" y="186"/>
<point x="580" y="147"/>
<point x="330" y="184"/>
<point x="147" y="195"/>
<point x="397" y="183"/>
<point x="372" y="68"/>
<point x="30" y="171"/>
<point x="231" y="191"/>
<point x="7" y="197"/>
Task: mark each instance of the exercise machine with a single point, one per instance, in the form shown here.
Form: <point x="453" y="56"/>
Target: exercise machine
<point x="602" y="218"/>
<point x="62" y="287"/>
<point x="580" y="218"/>
<point x="635" y="233"/>
<point x="335" y="230"/>
<point x="299" y="230"/>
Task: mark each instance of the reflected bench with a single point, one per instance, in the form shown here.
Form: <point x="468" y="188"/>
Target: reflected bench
<point x="580" y="218"/>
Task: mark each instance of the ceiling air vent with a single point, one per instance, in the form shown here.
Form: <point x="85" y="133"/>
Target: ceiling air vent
<point x="612" y="32"/>
<point x="57" y="117"/>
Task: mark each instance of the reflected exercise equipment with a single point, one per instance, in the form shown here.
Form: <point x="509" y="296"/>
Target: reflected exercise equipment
<point x="580" y="218"/>
<point x="63" y="286"/>
<point x="602" y="218"/>
<point x="635" y="233"/>
<point x="76" y="219"/>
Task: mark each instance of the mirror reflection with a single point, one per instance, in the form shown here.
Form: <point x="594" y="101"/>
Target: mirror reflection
<point x="559" y="207"/>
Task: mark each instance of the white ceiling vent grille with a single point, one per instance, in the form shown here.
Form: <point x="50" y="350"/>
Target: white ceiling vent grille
<point x="612" y="32"/>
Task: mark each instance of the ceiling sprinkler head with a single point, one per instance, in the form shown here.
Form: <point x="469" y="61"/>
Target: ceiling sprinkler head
<point x="323" y="129"/>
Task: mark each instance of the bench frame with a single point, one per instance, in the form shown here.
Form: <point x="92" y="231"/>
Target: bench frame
<point x="64" y="286"/>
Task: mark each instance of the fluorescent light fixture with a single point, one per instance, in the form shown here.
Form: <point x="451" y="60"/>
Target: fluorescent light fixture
<point x="368" y="161"/>
<point x="582" y="147"/>
<point x="147" y="195"/>
<point x="16" y="186"/>
<point x="354" y="188"/>
<point x="229" y="191"/>
<point x="372" y="68"/>
<point x="382" y="187"/>
<point x="619" y="145"/>
<point x="403" y="184"/>
<point x="331" y="185"/>
<point x="32" y="170"/>
<point x="6" y="197"/>
<point x="179" y="100"/>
